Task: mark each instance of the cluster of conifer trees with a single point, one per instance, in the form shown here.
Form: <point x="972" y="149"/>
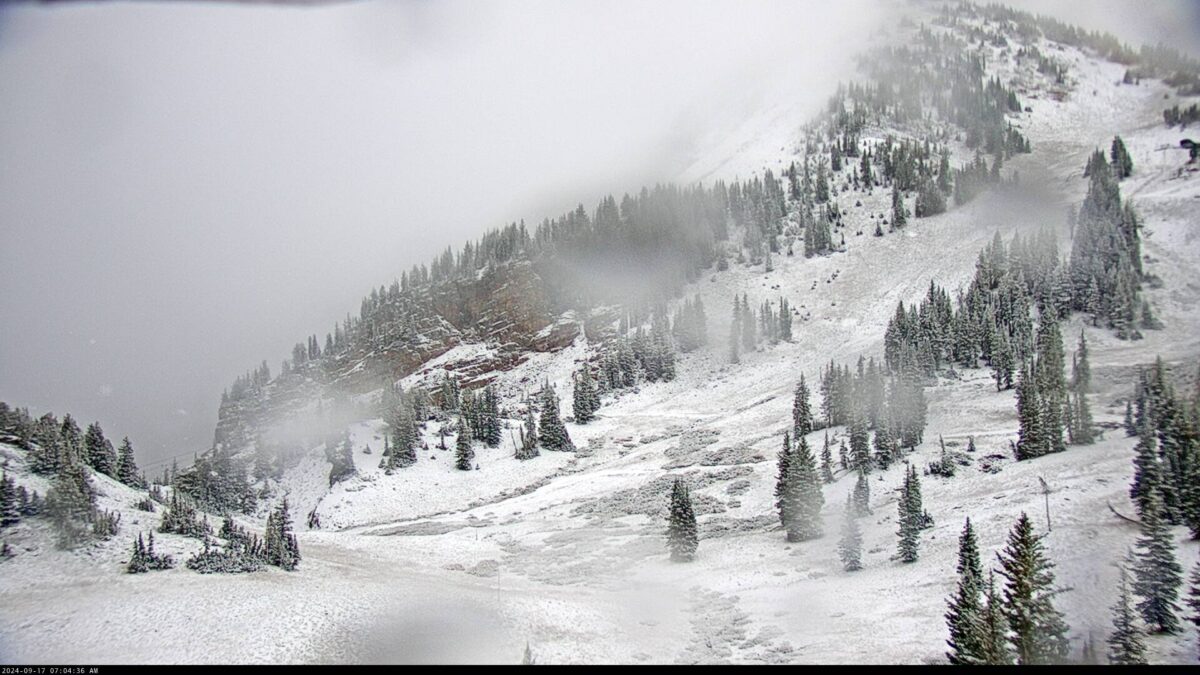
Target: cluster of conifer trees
<point x="689" y="325"/>
<point x="640" y="356"/>
<point x="1047" y="404"/>
<point x="1105" y="267"/>
<point x="869" y="399"/>
<point x="747" y="332"/>
<point x="218" y="481"/>
<point x="1181" y="117"/>
<point x="1167" y="460"/>
<point x="1017" y="624"/>
<point x="1176" y="68"/>
<point x="242" y="551"/>
<point x="67" y="455"/>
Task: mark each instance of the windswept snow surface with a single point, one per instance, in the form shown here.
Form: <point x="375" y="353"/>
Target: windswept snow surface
<point x="566" y="552"/>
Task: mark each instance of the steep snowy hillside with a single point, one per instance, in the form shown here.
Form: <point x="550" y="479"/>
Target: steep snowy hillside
<point x="566" y="551"/>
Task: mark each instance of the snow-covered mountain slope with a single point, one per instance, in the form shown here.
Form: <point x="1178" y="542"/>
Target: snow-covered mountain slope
<point x="566" y="552"/>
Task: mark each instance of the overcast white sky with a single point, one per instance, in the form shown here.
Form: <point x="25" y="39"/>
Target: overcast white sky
<point x="187" y="189"/>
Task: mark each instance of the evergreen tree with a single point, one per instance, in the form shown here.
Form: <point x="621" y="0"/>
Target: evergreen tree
<point x="1031" y="438"/>
<point x="860" y="445"/>
<point x="735" y="333"/>
<point x="1122" y="162"/>
<point x="1147" y="474"/>
<point x="884" y="447"/>
<point x="71" y="441"/>
<point x="827" y="462"/>
<point x="98" y="451"/>
<point x="490" y="417"/>
<point x="127" y="470"/>
<point x="1193" y="599"/>
<point x="1002" y="361"/>
<point x="1126" y="645"/>
<point x="850" y="545"/>
<point x="552" y="434"/>
<point x="1130" y="429"/>
<point x="281" y="549"/>
<point x="1082" y="431"/>
<point x="1039" y="631"/>
<point x="802" y="499"/>
<point x="71" y="504"/>
<point x="9" y="504"/>
<point x="1051" y="382"/>
<point x="404" y="440"/>
<point x="682" y="537"/>
<point x="909" y="517"/>
<point x="464" y="454"/>
<point x="899" y="214"/>
<point x="993" y="631"/>
<point x="1157" y="576"/>
<point x="862" y="495"/>
<point x="802" y="419"/>
<point x="749" y="331"/>
<point x="782" y="463"/>
<point x="965" y="619"/>
<point x="584" y="400"/>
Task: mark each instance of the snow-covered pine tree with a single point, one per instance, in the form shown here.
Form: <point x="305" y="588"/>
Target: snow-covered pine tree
<point x="785" y="320"/>
<point x="860" y="444"/>
<point x="127" y="469"/>
<point x="802" y="499"/>
<point x="827" y="461"/>
<point x="490" y="418"/>
<point x="1031" y="438"/>
<point x="964" y="618"/>
<point x="552" y="434"/>
<point x="1083" y="431"/>
<point x="802" y="418"/>
<point x="1038" y="630"/>
<point x="1051" y="381"/>
<point x="1193" y="599"/>
<point x="9" y="507"/>
<point x="782" y="497"/>
<point x="682" y="536"/>
<point x="98" y="451"/>
<point x="862" y="495"/>
<point x="1147" y="473"/>
<point x="909" y="518"/>
<point x="464" y="454"/>
<point x="993" y="630"/>
<point x="404" y="440"/>
<point x="281" y="548"/>
<point x="899" y="214"/>
<point x="1122" y="162"/>
<point x="71" y="503"/>
<point x="583" y="396"/>
<point x="1002" y="361"/>
<point x="1157" y="575"/>
<point x="850" y="545"/>
<point x="884" y="447"/>
<point x="1126" y="644"/>
<point x="749" y="330"/>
